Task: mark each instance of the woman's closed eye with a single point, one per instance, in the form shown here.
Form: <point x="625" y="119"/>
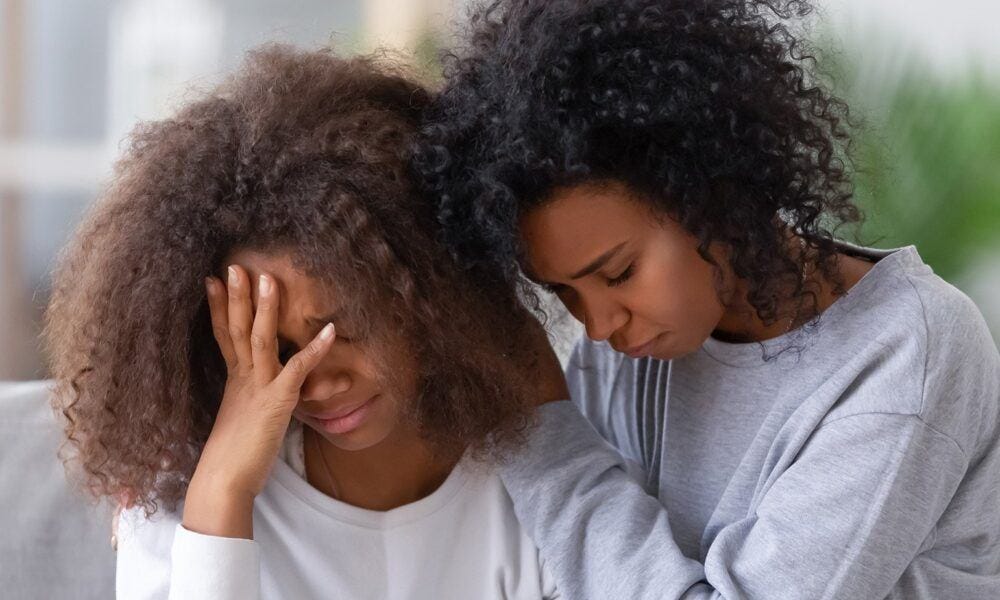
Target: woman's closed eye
<point x="622" y="277"/>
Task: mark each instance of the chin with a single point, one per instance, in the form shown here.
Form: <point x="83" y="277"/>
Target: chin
<point x="355" y="441"/>
<point x="359" y="439"/>
<point x="674" y="350"/>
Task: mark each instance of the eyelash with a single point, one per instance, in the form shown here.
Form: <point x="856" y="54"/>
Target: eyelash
<point x="625" y="275"/>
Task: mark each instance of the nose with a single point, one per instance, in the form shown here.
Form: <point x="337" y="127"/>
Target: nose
<point x="602" y="318"/>
<point x="322" y="384"/>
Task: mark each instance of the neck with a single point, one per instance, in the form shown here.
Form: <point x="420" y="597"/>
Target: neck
<point x="397" y="471"/>
<point x="740" y="322"/>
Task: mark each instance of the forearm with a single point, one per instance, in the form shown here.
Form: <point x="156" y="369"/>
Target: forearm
<point x="598" y="530"/>
<point x="863" y="485"/>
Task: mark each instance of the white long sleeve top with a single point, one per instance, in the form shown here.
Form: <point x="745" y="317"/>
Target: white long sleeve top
<point x="462" y="541"/>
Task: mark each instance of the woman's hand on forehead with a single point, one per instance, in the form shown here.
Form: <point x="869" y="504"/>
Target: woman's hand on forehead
<point x="256" y="407"/>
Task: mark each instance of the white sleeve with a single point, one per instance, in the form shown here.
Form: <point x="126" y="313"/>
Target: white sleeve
<point x="159" y="559"/>
<point x="143" y="559"/>
<point x="206" y="566"/>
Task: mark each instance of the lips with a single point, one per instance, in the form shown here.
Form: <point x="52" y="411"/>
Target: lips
<point x="345" y="420"/>
<point x="338" y="413"/>
<point x="641" y="349"/>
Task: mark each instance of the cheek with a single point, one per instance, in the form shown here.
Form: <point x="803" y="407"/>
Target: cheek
<point x="679" y="295"/>
<point x="398" y="388"/>
<point x="391" y="414"/>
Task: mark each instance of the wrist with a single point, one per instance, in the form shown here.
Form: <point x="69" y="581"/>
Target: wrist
<point x="219" y="508"/>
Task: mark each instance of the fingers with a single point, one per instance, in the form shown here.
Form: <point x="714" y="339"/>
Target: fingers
<point x="294" y="374"/>
<point x="264" y="333"/>
<point x="240" y="316"/>
<point x="218" y="306"/>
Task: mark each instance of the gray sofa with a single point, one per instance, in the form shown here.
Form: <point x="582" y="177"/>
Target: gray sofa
<point x="54" y="544"/>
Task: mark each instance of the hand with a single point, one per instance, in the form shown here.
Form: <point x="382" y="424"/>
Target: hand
<point x="256" y="407"/>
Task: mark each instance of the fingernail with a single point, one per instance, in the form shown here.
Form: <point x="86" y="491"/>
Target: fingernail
<point x="327" y="332"/>
<point x="264" y="285"/>
<point x="234" y="279"/>
<point x="210" y="285"/>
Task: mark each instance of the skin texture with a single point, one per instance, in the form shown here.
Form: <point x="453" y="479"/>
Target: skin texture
<point x="651" y="293"/>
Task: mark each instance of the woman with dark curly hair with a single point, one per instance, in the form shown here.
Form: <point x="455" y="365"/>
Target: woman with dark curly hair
<point x="326" y="297"/>
<point x="809" y="418"/>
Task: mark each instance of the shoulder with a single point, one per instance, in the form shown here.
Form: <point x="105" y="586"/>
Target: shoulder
<point x="910" y="297"/>
<point x="922" y="347"/>
<point x="951" y="319"/>
<point x="962" y="365"/>
<point x="906" y="306"/>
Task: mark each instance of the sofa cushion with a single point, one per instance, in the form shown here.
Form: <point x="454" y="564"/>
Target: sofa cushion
<point x="54" y="542"/>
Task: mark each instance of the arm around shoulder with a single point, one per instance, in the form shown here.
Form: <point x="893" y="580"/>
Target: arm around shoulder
<point x="844" y="521"/>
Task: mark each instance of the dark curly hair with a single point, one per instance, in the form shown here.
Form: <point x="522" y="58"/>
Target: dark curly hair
<point x="704" y="108"/>
<point x="302" y="152"/>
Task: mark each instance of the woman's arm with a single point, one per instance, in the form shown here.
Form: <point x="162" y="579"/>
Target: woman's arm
<point x="158" y="558"/>
<point x="211" y="554"/>
<point x="843" y="521"/>
<point x="256" y="406"/>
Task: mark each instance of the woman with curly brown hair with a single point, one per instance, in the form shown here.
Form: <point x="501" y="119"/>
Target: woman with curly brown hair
<point x="257" y="320"/>
<point x="809" y="419"/>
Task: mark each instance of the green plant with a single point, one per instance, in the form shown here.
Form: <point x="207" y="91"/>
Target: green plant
<point x="929" y="169"/>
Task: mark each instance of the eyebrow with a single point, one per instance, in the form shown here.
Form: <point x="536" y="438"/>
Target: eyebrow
<point x="598" y="262"/>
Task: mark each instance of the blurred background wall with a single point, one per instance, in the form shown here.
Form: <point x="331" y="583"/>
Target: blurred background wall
<point x="75" y="75"/>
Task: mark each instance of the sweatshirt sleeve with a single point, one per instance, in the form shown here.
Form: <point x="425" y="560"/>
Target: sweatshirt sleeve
<point x="158" y="559"/>
<point x="843" y="521"/>
<point x="206" y="566"/>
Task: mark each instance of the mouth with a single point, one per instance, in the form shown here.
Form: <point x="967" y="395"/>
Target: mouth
<point x="641" y="349"/>
<point x="346" y="419"/>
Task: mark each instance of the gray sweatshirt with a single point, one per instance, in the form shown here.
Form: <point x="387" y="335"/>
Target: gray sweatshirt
<point x="861" y="460"/>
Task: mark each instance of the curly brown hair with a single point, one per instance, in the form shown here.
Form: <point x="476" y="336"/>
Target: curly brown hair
<point x="300" y="151"/>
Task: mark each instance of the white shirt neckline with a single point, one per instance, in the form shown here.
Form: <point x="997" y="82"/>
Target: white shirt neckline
<point x="289" y="474"/>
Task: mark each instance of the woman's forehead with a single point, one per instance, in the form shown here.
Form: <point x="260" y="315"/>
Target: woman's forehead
<point x="295" y="286"/>
<point x="578" y="225"/>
